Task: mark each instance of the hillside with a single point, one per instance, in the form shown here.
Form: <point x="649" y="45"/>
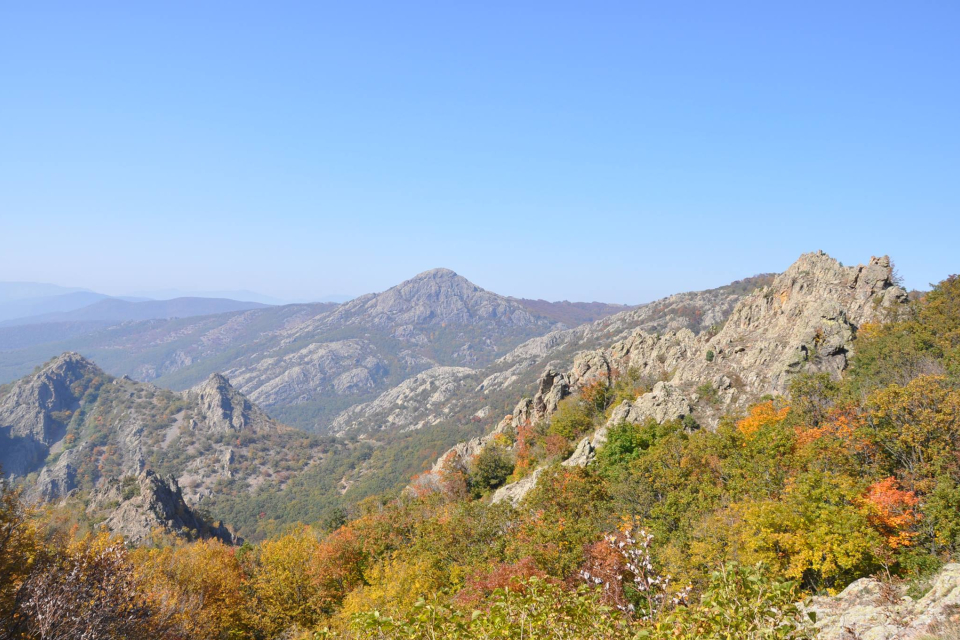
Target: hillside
<point x="71" y="427"/>
<point x="804" y="321"/>
<point x="800" y="482"/>
<point x="303" y="363"/>
<point x="572" y="314"/>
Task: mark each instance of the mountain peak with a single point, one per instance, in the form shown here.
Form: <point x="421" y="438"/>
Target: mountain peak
<point x="68" y="365"/>
<point x="436" y="274"/>
<point x="226" y="409"/>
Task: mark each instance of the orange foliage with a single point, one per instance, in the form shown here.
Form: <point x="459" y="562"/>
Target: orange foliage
<point x="761" y="415"/>
<point x="525" y="435"/>
<point x="890" y="511"/>
<point x="338" y="567"/>
<point x="841" y="423"/>
<point x="555" y="444"/>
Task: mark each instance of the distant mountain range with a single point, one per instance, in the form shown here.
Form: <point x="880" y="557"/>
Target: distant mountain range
<point x="116" y="310"/>
<point x="304" y="363"/>
<point x="388" y="380"/>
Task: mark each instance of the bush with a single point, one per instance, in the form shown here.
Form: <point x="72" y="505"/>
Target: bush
<point x="491" y="469"/>
<point x="740" y="602"/>
<point x="571" y="419"/>
<point x="710" y="355"/>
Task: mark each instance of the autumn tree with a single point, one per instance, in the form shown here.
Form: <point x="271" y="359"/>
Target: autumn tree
<point x="89" y="590"/>
<point x="199" y="586"/>
<point x="19" y="548"/>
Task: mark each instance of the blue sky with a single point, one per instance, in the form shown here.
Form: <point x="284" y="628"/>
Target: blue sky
<point x="584" y="151"/>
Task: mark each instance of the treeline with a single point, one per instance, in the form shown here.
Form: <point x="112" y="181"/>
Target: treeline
<point x="673" y="532"/>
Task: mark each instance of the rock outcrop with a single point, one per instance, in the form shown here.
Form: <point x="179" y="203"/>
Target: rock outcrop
<point x="871" y="610"/>
<point x="223" y="409"/>
<point x="74" y="426"/>
<point x="139" y="506"/>
<point x="805" y="320"/>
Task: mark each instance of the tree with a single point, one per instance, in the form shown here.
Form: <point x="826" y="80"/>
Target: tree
<point x="19" y="548"/>
<point x="286" y="595"/>
<point x="491" y="468"/>
<point x="199" y="585"/>
<point x="89" y="591"/>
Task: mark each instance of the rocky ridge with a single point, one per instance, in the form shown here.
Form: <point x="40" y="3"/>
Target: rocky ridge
<point x="83" y="428"/>
<point x="805" y="319"/>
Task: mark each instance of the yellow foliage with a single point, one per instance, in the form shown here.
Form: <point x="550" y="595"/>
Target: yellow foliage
<point x="761" y="415"/>
<point x="198" y="586"/>
<point x="396" y="584"/>
<point x="287" y="596"/>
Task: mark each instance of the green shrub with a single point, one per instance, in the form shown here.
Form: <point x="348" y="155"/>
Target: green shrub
<point x="740" y="602"/>
<point x="571" y="420"/>
<point x="491" y="469"/>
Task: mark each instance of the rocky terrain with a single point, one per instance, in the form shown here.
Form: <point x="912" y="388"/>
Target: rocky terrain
<point x="484" y="392"/>
<point x="870" y="609"/>
<point x="138" y="507"/>
<point x="805" y="319"/>
<point x="70" y="427"/>
<point x="305" y="364"/>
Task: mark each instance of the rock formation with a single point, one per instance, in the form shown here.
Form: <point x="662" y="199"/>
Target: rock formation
<point x="139" y="506"/>
<point x="871" y="610"/>
<point x="804" y="320"/>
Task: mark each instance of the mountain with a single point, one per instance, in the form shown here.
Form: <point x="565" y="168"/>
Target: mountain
<point x="72" y="427"/>
<point x="235" y="294"/>
<point x="397" y="383"/>
<point x="26" y="290"/>
<point x="146" y="350"/>
<point x="109" y="311"/>
<point x="38" y="306"/>
<point x="304" y="364"/>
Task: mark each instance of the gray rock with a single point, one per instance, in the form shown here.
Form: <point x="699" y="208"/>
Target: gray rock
<point x="869" y="611"/>
<point x="803" y="321"/>
<point x="149" y="503"/>
<point x="516" y="491"/>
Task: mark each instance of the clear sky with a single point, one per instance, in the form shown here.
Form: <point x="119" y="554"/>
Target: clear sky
<point x="587" y="151"/>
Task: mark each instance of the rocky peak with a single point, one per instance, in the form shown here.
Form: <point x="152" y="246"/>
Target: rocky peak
<point x="142" y="505"/>
<point x="222" y="408"/>
<point x="435" y="297"/>
<point x="805" y="320"/>
<point x="34" y="412"/>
